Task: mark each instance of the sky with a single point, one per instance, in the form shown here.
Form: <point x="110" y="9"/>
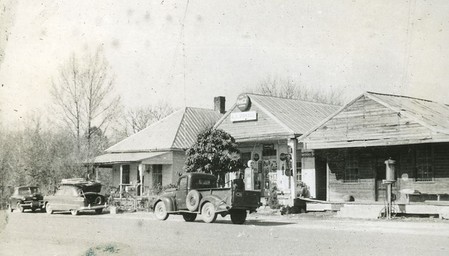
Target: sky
<point x="187" y="52"/>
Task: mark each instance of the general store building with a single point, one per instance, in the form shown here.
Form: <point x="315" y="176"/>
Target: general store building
<point x="266" y="129"/>
<point x="155" y="155"/>
<point x="352" y="145"/>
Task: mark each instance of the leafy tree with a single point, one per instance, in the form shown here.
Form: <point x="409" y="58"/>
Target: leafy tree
<point x="215" y="152"/>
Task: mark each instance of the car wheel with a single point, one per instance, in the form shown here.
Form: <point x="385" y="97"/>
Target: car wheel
<point x="33" y="209"/>
<point x="74" y="212"/>
<point x="189" y="217"/>
<point x="160" y="211"/>
<point x="98" y="211"/>
<point x="238" y="216"/>
<point x="48" y="209"/>
<point x="208" y="213"/>
<point x="19" y="207"/>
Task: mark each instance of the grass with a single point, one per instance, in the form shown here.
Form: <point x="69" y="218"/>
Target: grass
<point x="109" y="249"/>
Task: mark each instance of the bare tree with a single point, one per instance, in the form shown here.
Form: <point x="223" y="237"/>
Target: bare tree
<point x="287" y="88"/>
<point x="141" y="117"/>
<point x="84" y="95"/>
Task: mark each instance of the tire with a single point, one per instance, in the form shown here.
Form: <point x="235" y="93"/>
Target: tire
<point x="238" y="216"/>
<point x="74" y="212"/>
<point x="98" y="211"/>
<point x="208" y="212"/>
<point x="48" y="209"/>
<point x="19" y="207"/>
<point x="98" y="200"/>
<point x="33" y="209"/>
<point x="189" y="217"/>
<point x="193" y="200"/>
<point x="160" y="211"/>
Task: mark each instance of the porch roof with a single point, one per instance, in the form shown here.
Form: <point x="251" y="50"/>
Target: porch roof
<point x="144" y="157"/>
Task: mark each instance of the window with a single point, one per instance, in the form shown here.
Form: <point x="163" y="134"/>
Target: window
<point x="246" y="156"/>
<point x="298" y="171"/>
<point x="183" y="183"/>
<point x="204" y="183"/>
<point x="424" y="164"/>
<point x="125" y="174"/>
<point x="351" y="172"/>
<point x="157" y="175"/>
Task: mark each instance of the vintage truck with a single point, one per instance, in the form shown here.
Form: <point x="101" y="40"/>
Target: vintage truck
<point x="197" y="193"/>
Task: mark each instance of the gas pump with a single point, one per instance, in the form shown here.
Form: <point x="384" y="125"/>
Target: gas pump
<point x="389" y="180"/>
<point x="250" y="175"/>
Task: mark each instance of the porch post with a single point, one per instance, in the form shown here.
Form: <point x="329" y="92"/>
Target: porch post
<point x="141" y="178"/>
<point x="293" y="144"/>
<point x="121" y="181"/>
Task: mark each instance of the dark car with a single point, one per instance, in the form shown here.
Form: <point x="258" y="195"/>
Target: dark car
<point x="27" y="197"/>
<point x="76" y="195"/>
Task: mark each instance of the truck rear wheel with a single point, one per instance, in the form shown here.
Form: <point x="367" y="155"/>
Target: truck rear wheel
<point x="208" y="213"/>
<point x="189" y="217"/>
<point x="160" y="211"/>
<point x="193" y="200"/>
<point x="238" y="216"/>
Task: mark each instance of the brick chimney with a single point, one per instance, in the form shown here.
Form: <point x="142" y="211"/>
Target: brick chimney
<point x="220" y="104"/>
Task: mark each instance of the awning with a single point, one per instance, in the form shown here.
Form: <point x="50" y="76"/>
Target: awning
<point x="143" y="157"/>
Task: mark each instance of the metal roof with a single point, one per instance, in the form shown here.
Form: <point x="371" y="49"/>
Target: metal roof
<point x="297" y="115"/>
<point x="426" y="121"/>
<point x="176" y="131"/>
<point x="433" y="115"/>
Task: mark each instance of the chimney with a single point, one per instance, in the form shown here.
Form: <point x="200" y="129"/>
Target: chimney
<point x="220" y="104"/>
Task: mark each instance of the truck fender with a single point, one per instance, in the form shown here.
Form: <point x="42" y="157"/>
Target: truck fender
<point x="219" y="204"/>
<point x="169" y="204"/>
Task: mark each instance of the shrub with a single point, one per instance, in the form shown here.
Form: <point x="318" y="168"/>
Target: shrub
<point x="273" y="201"/>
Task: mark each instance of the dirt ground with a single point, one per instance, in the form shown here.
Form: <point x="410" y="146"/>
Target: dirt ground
<point x="3" y="219"/>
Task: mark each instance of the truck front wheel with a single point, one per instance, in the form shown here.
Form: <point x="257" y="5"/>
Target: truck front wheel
<point x="208" y="212"/>
<point x="160" y="211"/>
<point x="189" y="217"/>
<point x="238" y="216"/>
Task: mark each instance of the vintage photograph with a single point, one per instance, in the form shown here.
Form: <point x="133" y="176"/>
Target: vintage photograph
<point x="296" y="127"/>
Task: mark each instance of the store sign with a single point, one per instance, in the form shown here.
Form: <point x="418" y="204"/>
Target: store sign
<point x="243" y="102"/>
<point x="243" y="116"/>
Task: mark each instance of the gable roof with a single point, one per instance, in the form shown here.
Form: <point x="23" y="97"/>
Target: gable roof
<point x="433" y="115"/>
<point x="429" y="115"/>
<point x="293" y="117"/>
<point x="176" y="131"/>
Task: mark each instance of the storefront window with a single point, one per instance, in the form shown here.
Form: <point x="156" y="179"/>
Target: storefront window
<point x="246" y="156"/>
<point x="424" y="171"/>
<point x="269" y="165"/>
<point x="125" y="174"/>
<point x="351" y="168"/>
<point x="157" y="175"/>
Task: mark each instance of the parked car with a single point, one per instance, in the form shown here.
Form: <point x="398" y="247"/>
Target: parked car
<point x="76" y="195"/>
<point x="197" y="193"/>
<point x="26" y="198"/>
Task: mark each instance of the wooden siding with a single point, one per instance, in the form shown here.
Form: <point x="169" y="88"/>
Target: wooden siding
<point x="264" y="126"/>
<point x="371" y="159"/>
<point x="368" y="123"/>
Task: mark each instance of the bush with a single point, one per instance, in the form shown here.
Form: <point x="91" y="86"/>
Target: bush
<point x="273" y="201"/>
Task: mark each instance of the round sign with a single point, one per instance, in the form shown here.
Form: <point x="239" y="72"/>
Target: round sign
<point x="243" y="102"/>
